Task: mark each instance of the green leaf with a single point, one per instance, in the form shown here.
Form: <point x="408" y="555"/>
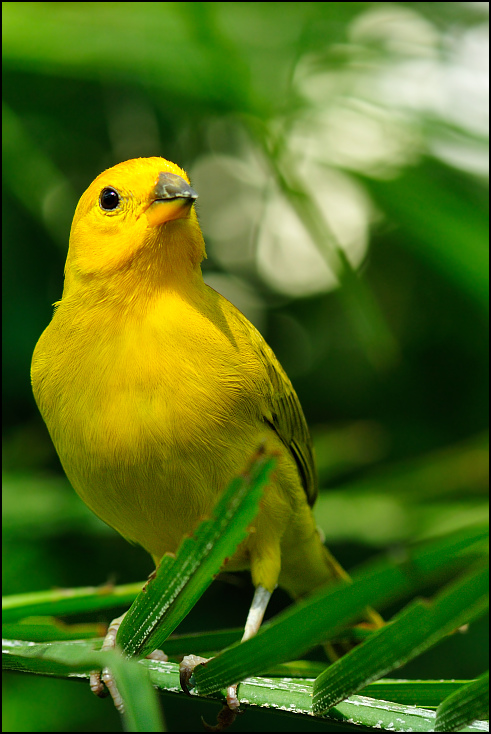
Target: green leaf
<point x="326" y="612"/>
<point x="129" y="56"/>
<point x="415" y="629"/>
<point x="464" y="706"/>
<point x="57" y="602"/>
<point x="46" y="629"/>
<point x="425" y="693"/>
<point x="180" y="580"/>
<point x="50" y="658"/>
<point x="77" y="659"/>
<point x="291" y="696"/>
<point x="386" y="715"/>
<point x="142" y="711"/>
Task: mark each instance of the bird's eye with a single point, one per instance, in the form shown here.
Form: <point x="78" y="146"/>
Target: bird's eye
<point x="109" y="199"/>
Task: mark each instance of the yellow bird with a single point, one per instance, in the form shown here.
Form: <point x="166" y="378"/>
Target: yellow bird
<point x="156" y="390"/>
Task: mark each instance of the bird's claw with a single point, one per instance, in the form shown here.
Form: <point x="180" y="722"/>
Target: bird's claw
<point x="228" y="714"/>
<point x="225" y="718"/>
<point x="186" y="667"/>
<point x="233" y="702"/>
<point x="96" y="685"/>
<point x="102" y="682"/>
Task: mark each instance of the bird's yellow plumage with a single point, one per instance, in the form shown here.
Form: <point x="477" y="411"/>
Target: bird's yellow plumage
<point x="156" y="390"/>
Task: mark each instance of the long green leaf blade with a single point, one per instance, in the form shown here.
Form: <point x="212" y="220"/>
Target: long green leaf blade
<point x="58" y="602"/>
<point x="290" y="696"/>
<point x="77" y="659"/>
<point x="414" y="630"/>
<point x="423" y="693"/>
<point x="464" y="706"/>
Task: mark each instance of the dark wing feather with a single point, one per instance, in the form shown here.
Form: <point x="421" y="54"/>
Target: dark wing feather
<point x="280" y="406"/>
<point x="285" y="415"/>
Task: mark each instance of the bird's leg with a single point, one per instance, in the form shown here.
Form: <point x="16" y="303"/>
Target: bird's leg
<point x="254" y="619"/>
<point x="102" y="682"/>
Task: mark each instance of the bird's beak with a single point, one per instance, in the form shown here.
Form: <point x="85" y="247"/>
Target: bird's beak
<point x="172" y="198"/>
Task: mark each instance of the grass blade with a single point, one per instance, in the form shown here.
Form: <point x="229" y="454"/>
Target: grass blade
<point x="418" y="627"/>
<point x="77" y="659"/>
<point x="464" y="706"/>
<point x="60" y="602"/>
<point x="423" y="693"/>
<point x="293" y="697"/>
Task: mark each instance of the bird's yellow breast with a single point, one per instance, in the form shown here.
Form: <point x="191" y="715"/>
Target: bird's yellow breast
<point x="151" y="414"/>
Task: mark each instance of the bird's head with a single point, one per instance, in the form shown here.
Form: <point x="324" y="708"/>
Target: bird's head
<point x="136" y="218"/>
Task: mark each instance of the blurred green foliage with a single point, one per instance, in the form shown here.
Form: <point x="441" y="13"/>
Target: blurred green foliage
<point x="329" y="142"/>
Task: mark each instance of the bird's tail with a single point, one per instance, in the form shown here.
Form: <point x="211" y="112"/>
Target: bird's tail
<point x="308" y="565"/>
<point x="370" y="620"/>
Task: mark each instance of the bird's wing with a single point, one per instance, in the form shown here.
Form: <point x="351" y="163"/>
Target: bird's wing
<point x="285" y="416"/>
<point x="281" y="408"/>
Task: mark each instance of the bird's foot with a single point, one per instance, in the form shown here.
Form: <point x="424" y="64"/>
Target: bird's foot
<point x="186" y="668"/>
<point x="233" y="702"/>
<point x="227" y="715"/>
<point x="102" y="683"/>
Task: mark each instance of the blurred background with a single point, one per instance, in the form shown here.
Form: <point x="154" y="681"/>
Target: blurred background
<point x="340" y="155"/>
